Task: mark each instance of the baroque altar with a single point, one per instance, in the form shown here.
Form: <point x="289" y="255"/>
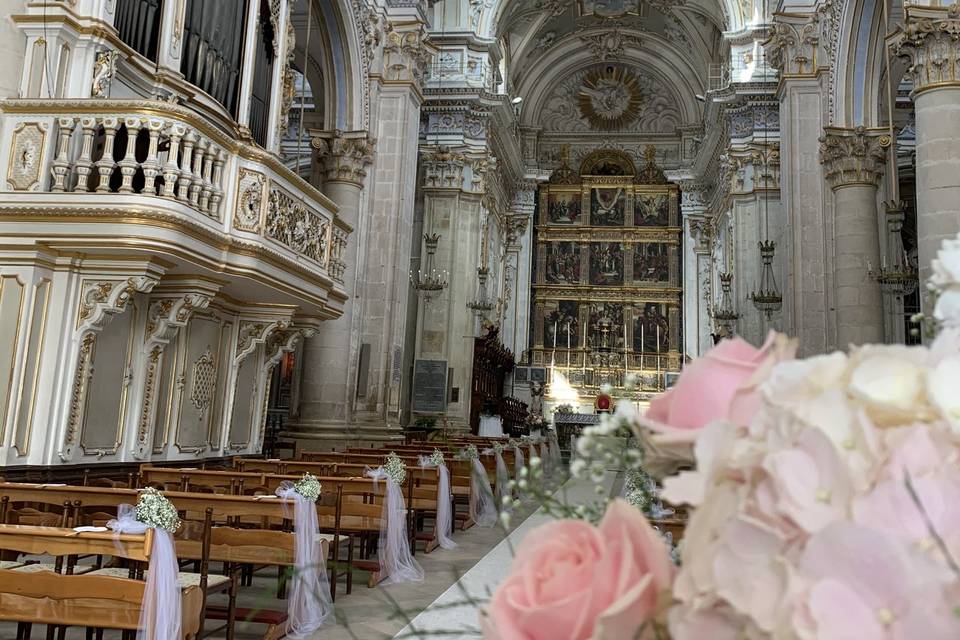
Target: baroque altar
<point x="607" y="281"/>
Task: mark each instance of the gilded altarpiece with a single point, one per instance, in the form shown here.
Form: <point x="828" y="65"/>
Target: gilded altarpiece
<point x="607" y="280"/>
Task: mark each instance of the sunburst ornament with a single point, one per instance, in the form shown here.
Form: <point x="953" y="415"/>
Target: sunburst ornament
<point x="610" y="98"/>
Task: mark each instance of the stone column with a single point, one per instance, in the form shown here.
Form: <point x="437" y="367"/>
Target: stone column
<point x="929" y="39"/>
<point x="389" y="213"/>
<point x="696" y="271"/>
<point x="853" y="164"/>
<point x="331" y="357"/>
<point x="803" y="64"/>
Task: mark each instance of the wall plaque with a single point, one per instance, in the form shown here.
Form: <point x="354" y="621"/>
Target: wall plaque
<point x="430" y="386"/>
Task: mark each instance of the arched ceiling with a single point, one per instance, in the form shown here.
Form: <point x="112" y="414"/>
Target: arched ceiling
<point x="561" y="55"/>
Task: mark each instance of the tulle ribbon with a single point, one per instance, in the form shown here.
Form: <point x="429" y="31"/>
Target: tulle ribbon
<point x="393" y="547"/>
<point x="547" y="460"/>
<point x="483" y="511"/>
<point x="160" y="615"/>
<point x="309" y="604"/>
<point x="444" y="525"/>
<point x="518" y="462"/>
<point x="556" y="458"/>
<point x="503" y="476"/>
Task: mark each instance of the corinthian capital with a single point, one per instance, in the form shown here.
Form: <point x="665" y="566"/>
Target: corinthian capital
<point x="930" y="39"/>
<point x="406" y="53"/>
<point x="801" y="43"/>
<point x="343" y="156"/>
<point x="853" y="156"/>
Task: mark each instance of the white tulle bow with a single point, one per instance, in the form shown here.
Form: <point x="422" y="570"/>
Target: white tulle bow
<point x="160" y="615"/>
<point x="393" y="547"/>
<point x="309" y="604"/>
<point x="444" y="526"/>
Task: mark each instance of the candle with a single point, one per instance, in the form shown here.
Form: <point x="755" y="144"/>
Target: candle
<point x="569" y="322"/>
<point x="658" y="341"/>
<point x="555" y="334"/>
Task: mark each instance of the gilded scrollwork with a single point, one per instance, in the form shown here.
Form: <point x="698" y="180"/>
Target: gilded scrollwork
<point x="250" y="199"/>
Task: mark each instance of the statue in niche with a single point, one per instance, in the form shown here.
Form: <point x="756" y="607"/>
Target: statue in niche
<point x="563" y="208"/>
<point x="563" y="263"/>
<point x="607" y="207"/>
<point x="652" y="210"/>
<point x="651" y="329"/>
<point x="651" y="262"/>
<point x="606" y="263"/>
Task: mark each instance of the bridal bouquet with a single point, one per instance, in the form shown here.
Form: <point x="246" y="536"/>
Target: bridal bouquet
<point x="824" y="502"/>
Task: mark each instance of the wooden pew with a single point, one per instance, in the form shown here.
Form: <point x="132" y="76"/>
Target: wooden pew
<point x="92" y="601"/>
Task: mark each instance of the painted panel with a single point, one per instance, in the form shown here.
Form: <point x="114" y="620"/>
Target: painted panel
<point x="109" y="381"/>
<point x="11" y="315"/>
<point x="31" y="370"/>
<point x="199" y="370"/>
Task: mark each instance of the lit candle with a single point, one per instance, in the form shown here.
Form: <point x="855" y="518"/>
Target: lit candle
<point x="555" y="334"/>
<point x="658" y="341"/>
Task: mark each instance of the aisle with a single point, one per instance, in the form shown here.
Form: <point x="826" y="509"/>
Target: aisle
<point x="445" y="618"/>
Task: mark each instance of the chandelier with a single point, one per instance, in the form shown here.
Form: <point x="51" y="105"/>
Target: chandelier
<point x="767" y="298"/>
<point x="482" y="304"/>
<point x="726" y="316"/>
<point x="900" y="277"/>
<point x="427" y="280"/>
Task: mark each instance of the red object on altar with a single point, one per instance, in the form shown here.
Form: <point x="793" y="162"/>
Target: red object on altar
<point x="603" y="403"/>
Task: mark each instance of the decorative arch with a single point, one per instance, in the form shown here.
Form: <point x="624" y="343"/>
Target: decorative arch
<point x="334" y="63"/>
<point x="608" y="162"/>
<point x="859" y="90"/>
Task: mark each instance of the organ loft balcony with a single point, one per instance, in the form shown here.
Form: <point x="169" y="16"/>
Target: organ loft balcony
<point x="155" y="129"/>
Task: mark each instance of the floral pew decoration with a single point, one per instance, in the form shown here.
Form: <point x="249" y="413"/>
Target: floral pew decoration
<point x="444" y="523"/>
<point x="309" y="605"/>
<point x="160" y="617"/>
<point x="393" y="546"/>
<point x="483" y="509"/>
<point x="518" y="462"/>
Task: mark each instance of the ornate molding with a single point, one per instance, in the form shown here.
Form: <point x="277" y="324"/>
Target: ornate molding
<point x="102" y="299"/>
<point x="251" y="195"/>
<point x="802" y="44"/>
<point x="442" y="167"/>
<point x="344" y="156"/>
<point x="701" y="230"/>
<point x="27" y="156"/>
<point x="406" y="53"/>
<point x="853" y="156"/>
<point x="287" y="88"/>
<point x="255" y="332"/>
<point x="291" y="223"/>
<point x="930" y="40"/>
<point x="104" y="68"/>
<point x="610" y="44"/>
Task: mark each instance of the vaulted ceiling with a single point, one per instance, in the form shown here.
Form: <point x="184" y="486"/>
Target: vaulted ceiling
<point x="566" y="58"/>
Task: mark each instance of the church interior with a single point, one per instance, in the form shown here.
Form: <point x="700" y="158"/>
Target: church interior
<point x="248" y="240"/>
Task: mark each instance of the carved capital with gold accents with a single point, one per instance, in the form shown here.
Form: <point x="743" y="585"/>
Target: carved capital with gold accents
<point x="407" y="53"/>
<point x="801" y="42"/>
<point x="343" y="156"/>
<point x="930" y="39"/>
<point x="442" y="167"/>
<point x="852" y="157"/>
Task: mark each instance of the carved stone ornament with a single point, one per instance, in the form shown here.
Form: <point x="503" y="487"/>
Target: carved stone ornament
<point x="853" y="156"/>
<point x="406" y="54"/>
<point x="702" y="232"/>
<point x="26" y="156"/>
<point x="254" y="332"/>
<point x="104" y="68"/>
<point x="803" y="43"/>
<point x="288" y="87"/>
<point x="102" y="299"/>
<point x="442" y="167"/>
<point x="610" y="98"/>
<point x="250" y="199"/>
<point x="930" y="40"/>
<point x="290" y="222"/>
<point x="369" y="28"/>
<point x="203" y="381"/>
<point x="344" y="157"/>
<point x="610" y="44"/>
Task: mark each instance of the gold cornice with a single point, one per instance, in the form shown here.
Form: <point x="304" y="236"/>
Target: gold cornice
<point x="155" y="244"/>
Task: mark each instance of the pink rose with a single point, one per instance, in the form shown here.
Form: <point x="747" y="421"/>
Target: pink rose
<point x="574" y="581"/>
<point x="721" y="385"/>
